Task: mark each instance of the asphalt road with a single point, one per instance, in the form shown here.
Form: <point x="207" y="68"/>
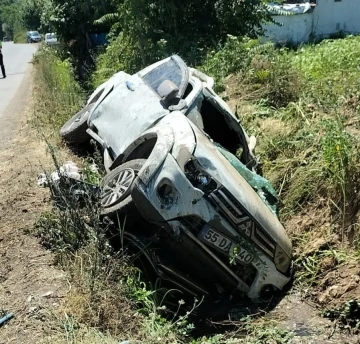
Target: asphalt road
<point x="16" y="61"/>
<point x="14" y="89"/>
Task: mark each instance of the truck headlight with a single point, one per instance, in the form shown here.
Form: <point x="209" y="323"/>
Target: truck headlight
<point x="282" y="260"/>
<point x="199" y="178"/>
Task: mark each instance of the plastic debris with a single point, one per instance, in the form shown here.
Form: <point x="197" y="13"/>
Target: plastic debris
<point x="6" y="318"/>
<point x="69" y="169"/>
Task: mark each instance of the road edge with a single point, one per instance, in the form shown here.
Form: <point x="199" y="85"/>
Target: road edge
<point x="11" y="119"/>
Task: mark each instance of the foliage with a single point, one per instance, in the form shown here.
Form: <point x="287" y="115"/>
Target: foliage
<point x="311" y="266"/>
<point x="185" y="26"/>
<point x="31" y="13"/>
<point x="252" y="332"/>
<point x="121" y="54"/>
<point x="19" y="36"/>
<point x="62" y="94"/>
<point x="62" y="17"/>
<point x="151" y="30"/>
<point x="266" y="333"/>
<point x="302" y="163"/>
<point x="263" y="69"/>
<point x="347" y="317"/>
<point x="91" y="172"/>
<point x="330" y="69"/>
<point x="231" y="57"/>
<point x="283" y="84"/>
<point x="9" y="18"/>
<point x="340" y="161"/>
<point x="144" y="31"/>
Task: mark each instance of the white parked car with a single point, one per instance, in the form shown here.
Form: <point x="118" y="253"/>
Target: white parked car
<point x="51" y="39"/>
<point x="175" y="154"/>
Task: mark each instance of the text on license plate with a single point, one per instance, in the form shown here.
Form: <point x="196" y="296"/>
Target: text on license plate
<point x="221" y="242"/>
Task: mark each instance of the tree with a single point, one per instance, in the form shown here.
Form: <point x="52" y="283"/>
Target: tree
<point x="187" y="27"/>
<point x="9" y="17"/>
<point x="31" y="11"/>
<point x="73" y="20"/>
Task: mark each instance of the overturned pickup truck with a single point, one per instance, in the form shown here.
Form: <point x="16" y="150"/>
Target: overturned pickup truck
<point x="175" y="154"/>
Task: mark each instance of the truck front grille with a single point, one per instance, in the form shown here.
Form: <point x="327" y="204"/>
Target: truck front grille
<point x="234" y="211"/>
<point x="229" y="205"/>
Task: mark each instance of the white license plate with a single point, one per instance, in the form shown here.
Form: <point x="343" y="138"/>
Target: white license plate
<point x="219" y="241"/>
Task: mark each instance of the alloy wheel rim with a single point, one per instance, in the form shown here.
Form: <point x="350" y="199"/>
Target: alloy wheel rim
<point x="81" y="115"/>
<point x="113" y="192"/>
<point x="78" y="118"/>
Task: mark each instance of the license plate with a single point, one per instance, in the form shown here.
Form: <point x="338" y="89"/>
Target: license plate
<point x="219" y="241"/>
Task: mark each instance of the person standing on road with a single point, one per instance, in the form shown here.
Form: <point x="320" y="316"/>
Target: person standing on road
<point x="2" y="62"/>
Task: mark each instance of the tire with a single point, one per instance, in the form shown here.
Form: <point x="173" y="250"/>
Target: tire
<point x="119" y="205"/>
<point x="74" y="130"/>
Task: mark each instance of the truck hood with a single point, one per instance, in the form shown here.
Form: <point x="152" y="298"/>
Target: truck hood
<point x="215" y="163"/>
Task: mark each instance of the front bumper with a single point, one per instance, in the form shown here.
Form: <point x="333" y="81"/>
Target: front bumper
<point x="170" y="197"/>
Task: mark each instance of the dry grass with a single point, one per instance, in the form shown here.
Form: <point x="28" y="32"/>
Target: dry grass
<point x="99" y="295"/>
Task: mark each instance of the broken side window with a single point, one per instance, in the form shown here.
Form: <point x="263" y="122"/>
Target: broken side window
<point x="216" y="126"/>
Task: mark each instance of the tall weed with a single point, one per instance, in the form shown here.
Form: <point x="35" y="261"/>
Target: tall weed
<point x="232" y="57"/>
<point x="331" y="69"/>
<point x="262" y="70"/>
<point x="341" y="162"/>
<point x="61" y="95"/>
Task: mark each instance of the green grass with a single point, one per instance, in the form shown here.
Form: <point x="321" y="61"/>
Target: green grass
<point x="304" y="107"/>
<point x="61" y="95"/>
<point x="331" y="69"/>
<point x="309" y="95"/>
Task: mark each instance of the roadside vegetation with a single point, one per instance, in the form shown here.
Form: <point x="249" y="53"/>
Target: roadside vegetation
<point x="303" y="106"/>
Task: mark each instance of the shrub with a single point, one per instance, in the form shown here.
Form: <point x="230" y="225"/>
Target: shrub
<point x="61" y="95"/>
<point x="233" y="57"/>
<point x="284" y="84"/>
<point x="341" y="163"/>
<point x="330" y="69"/>
<point x="120" y="55"/>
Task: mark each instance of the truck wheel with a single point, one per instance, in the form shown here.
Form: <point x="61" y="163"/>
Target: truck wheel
<point x="115" y="196"/>
<point x="74" y="130"/>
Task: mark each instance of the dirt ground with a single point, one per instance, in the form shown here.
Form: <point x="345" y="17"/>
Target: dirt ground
<point x="30" y="286"/>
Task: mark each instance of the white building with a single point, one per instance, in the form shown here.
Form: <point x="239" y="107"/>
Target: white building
<point x="314" y="21"/>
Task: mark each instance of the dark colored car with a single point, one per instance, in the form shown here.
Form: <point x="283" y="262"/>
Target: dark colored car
<point x="33" y="37"/>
